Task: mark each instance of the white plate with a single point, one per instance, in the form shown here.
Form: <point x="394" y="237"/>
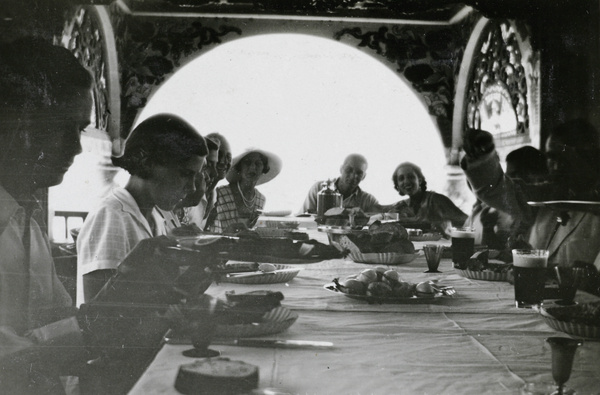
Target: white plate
<point x="384" y="258"/>
<point x="281" y="224"/>
<point x="283" y="274"/>
<point x="486" y="275"/>
<point x="572" y="328"/>
<point x="274" y="321"/>
<point x="340" y="230"/>
<point x="387" y="300"/>
<point x="281" y="213"/>
<point x="426" y="237"/>
<point x="569" y="205"/>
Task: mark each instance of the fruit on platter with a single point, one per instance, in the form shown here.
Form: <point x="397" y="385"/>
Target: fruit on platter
<point x="352" y="286"/>
<point x="367" y="276"/>
<point x="379" y="283"/>
<point x="425" y="290"/>
<point x="379" y="288"/>
<point x="391" y="277"/>
<point x="404" y="290"/>
<point x="380" y="270"/>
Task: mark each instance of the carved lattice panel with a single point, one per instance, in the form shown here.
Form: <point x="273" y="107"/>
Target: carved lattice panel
<point x="82" y="36"/>
<point x="498" y="95"/>
<point x="429" y="59"/>
<point x="152" y="49"/>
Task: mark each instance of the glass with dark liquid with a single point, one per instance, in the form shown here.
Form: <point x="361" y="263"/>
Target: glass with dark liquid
<point x="529" y="268"/>
<point x="463" y="246"/>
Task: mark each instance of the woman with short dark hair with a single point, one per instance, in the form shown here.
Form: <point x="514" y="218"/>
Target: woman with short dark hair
<point x="164" y="155"/>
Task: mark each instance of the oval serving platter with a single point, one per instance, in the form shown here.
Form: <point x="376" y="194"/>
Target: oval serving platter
<point x="382" y="258"/>
<point x="387" y="300"/>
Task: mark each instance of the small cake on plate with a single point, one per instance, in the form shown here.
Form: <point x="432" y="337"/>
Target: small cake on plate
<point x="216" y="376"/>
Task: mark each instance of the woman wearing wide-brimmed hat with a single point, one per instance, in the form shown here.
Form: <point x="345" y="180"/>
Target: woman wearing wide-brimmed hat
<point x="240" y="202"/>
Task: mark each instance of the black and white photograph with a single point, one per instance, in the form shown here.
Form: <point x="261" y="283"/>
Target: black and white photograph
<point x="299" y="197"/>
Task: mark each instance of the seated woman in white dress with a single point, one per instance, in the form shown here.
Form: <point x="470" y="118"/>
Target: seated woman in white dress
<point x="240" y="203"/>
<point x="164" y="155"/>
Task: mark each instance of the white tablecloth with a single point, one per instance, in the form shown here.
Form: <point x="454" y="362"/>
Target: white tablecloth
<point x="476" y="342"/>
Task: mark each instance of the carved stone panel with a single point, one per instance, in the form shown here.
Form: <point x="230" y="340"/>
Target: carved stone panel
<point x="502" y="89"/>
<point x="428" y="57"/>
<point x="152" y="48"/>
<point x="82" y="35"/>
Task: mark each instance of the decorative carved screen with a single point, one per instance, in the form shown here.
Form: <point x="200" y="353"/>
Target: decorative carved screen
<point x="502" y="91"/>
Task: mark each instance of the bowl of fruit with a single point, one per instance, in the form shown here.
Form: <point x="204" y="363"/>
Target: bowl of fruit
<point x="382" y="285"/>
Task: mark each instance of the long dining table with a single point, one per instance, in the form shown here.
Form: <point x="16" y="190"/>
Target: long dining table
<point x="473" y="342"/>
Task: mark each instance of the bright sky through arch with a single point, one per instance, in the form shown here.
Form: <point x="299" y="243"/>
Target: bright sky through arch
<point x="312" y="101"/>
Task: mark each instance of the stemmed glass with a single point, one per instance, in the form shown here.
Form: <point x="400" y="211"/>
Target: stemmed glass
<point x="568" y="282"/>
<point x="201" y="334"/>
<point x="563" y="353"/>
<point x="433" y="255"/>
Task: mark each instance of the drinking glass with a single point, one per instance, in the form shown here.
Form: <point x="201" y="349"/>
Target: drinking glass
<point x="463" y="245"/>
<point x="563" y="353"/>
<point x="433" y="255"/>
<point x="201" y="334"/>
<point x="529" y="269"/>
<point x="568" y="281"/>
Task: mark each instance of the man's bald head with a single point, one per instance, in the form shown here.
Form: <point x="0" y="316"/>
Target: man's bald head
<point x="352" y="172"/>
<point x="356" y="159"/>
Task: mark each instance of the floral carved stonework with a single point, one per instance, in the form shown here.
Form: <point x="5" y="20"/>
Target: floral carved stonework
<point x="151" y="49"/>
<point x="82" y="36"/>
<point x="498" y="96"/>
<point x="428" y="58"/>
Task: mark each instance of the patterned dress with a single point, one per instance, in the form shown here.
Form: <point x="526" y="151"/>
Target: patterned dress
<point x="231" y="209"/>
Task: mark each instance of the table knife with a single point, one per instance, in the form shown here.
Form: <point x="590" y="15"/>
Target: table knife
<point x="273" y="343"/>
<point x="262" y="343"/>
<point x="261" y="273"/>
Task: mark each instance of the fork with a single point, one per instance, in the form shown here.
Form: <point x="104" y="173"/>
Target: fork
<point x="445" y="290"/>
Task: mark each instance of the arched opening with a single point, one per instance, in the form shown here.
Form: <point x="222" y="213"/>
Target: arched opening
<point x="312" y="101"/>
<point x="309" y="99"/>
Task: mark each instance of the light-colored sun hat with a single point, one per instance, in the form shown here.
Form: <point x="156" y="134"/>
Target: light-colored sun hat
<point x="274" y="166"/>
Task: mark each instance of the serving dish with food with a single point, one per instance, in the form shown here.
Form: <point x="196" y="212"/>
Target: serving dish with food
<point x="382" y="258"/>
<point x="264" y="273"/>
<point x="569" y="205"/>
<point x="423" y="237"/>
<point x="581" y="319"/>
<point x="382" y="243"/>
<point x="340" y="216"/>
<point x="274" y="321"/>
<point x="272" y="232"/>
<point x="281" y="224"/>
<point x="382" y="285"/>
<point x="249" y="246"/>
<point x="254" y="313"/>
<point x="480" y="267"/>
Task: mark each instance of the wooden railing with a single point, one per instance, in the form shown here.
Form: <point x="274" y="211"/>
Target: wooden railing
<point x="72" y="219"/>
